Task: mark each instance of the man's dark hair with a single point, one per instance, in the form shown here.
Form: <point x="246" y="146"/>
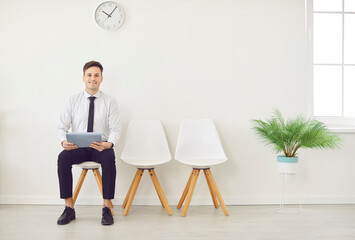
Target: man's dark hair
<point x="93" y="64"/>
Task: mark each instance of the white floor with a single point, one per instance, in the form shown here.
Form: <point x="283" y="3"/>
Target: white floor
<point x="335" y="222"/>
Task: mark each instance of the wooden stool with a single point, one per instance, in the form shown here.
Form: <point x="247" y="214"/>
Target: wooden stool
<point x="94" y="166"/>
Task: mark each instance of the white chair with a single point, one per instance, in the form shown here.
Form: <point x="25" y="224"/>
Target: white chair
<point x="85" y="166"/>
<point x="199" y="146"/>
<point x="145" y="147"/>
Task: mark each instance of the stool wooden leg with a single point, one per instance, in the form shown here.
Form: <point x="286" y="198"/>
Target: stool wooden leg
<point x="215" y="188"/>
<point x="99" y="184"/>
<point x="190" y="192"/>
<point x="79" y="184"/>
<point x="98" y="179"/>
<point x="213" y="195"/>
<point x="160" y="192"/>
<point x="130" y="189"/>
<point x="183" y="196"/>
<point x="133" y="192"/>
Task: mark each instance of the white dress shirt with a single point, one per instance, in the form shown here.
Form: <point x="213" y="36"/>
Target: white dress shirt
<point x="76" y="113"/>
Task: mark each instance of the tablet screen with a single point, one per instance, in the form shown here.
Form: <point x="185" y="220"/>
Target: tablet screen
<point x="83" y="139"/>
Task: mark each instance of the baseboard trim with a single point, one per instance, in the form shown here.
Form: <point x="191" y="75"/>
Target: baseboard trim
<point x="174" y="200"/>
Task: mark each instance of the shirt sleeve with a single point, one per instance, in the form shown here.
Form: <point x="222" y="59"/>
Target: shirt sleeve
<point x="114" y="123"/>
<point x="64" y="121"/>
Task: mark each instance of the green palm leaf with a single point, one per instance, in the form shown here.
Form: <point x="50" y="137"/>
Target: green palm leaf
<point x="288" y="137"/>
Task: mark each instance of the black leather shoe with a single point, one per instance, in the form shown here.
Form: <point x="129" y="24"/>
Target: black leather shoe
<point x="107" y="218"/>
<point x="67" y="216"/>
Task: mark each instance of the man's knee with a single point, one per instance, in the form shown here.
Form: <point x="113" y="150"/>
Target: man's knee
<point x="64" y="159"/>
<point x="107" y="154"/>
<point x="107" y="157"/>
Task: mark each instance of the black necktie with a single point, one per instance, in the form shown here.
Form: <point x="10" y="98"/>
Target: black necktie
<point x="91" y="115"/>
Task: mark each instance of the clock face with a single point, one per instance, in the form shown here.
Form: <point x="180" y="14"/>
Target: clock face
<point x="109" y="15"/>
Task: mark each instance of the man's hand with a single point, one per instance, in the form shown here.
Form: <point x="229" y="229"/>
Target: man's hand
<point x="100" y="146"/>
<point x="68" y="146"/>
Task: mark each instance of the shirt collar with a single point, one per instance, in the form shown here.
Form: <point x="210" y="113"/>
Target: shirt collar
<point x="87" y="95"/>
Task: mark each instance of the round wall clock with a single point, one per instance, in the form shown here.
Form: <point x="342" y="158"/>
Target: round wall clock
<point x="109" y="15"/>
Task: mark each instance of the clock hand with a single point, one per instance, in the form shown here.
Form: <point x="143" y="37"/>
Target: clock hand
<point x="108" y="15"/>
<point x="113" y="11"/>
<point x="105" y="19"/>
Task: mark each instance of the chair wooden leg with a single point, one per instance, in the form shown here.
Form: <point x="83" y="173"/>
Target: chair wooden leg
<point x="150" y="174"/>
<point x="190" y="192"/>
<point x="160" y="192"/>
<point x="133" y="192"/>
<point x="213" y="195"/>
<point x="98" y="179"/>
<point x="79" y="184"/>
<point x="183" y="196"/>
<point x="130" y="189"/>
<point x="215" y="188"/>
<point x="161" y="202"/>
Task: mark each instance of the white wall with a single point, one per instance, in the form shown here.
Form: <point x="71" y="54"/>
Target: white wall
<point x="231" y="61"/>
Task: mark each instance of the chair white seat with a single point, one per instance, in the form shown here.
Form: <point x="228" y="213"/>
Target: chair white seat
<point x="145" y="147"/>
<point x="202" y="163"/>
<point x="146" y="163"/>
<point x="88" y="165"/>
<point x="199" y="146"/>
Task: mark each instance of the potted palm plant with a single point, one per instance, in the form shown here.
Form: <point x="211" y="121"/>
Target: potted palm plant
<point x="291" y="135"/>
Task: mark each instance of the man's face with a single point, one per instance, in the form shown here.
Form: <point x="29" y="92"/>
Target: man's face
<point x="92" y="78"/>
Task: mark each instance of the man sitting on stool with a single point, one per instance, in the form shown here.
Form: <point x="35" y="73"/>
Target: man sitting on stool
<point x="89" y="111"/>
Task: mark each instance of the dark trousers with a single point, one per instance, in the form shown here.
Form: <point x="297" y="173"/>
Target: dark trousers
<point x="107" y="160"/>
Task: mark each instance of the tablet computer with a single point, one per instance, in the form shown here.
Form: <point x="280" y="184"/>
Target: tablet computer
<point x="83" y="139"/>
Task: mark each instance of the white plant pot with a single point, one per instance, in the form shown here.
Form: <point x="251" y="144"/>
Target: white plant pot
<point x="287" y="165"/>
